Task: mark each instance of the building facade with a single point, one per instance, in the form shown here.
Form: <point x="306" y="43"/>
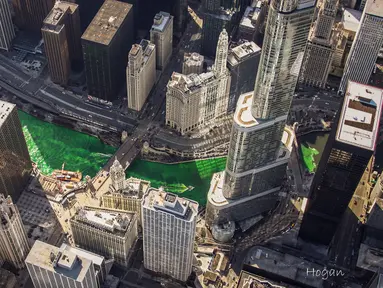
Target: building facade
<point x="259" y="144"/>
<point x="161" y="35"/>
<point x="108" y="232"/>
<point x="49" y="266"/>
<point x="320" y="49"/>
<point x="62" y="40"/>
<point x="30" y="14"/>
<point x="194" y="101"/>
<point x="169" y="225"/>
<point x="105" y="45"/>
<point x="192" y="64"/>
<point x="366" y="46"/>
<point x="140" y="73"/>
<point x="343" y="162"/>
<point x="14" y="246"/>
<point x="242" y="61"/>
<point x="15" y="162"/>
<point x="7" y="32"/>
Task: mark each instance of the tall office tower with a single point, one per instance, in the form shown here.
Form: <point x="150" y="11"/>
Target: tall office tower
<point x="252" y="22"/>
<point x="108" y="232"/>
<point x="345" y="157"/>
<point x="105" y="45"/>
<point x="30" y="14"/>
<point x="215" y="19"/>
<point x="15" y="163"/>
<point x="62" y="40"/>
<point x="256" y="162"/>
<point x="192" y="64"/>
<point x="243" y="61"/>
<point x="14" y="245"/>
<point x="140" y="73"/>
<point x="365" y="48"/>
<point x="321" y="46"/>
<point x="117" y="175"/>
<point x="7" y="33"/>
<point x="50" y="266"/>
<point x="169" y="225"/>
<point x="161" y="35"/>
<point x="194" y="101"/>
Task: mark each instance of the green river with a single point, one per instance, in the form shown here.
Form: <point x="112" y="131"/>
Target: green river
<point x="51" y="145"/>
<point x="312" y="146"/>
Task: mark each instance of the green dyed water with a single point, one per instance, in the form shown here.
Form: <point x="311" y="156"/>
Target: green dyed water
<point x="51" y="145"/>
<point x="312" y="146"/>
<point x="191" y="179"/>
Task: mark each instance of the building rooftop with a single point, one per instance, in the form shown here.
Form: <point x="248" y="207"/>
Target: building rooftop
<point x="242" y="52"/>
<point x="7" y="278"/>
<point x="249" y="280"/>
<point x="160" y="21"/>
<point x="250" y="17"/>
<point x="5" y="109"/>
<point x="107" y="21"/>
<point x="193" y="59"/>
<point x="96" y="259"/>
<point x="157" y="199"/>
<point x="351" y="19"/>
<point x="284" y="265"/>
<point x="369" y="258"/>
<point x="109" y="220"/>
<point x="189" y="83"/>
<point x="374" y="7"/>
<point x="59" y="261"/>
<point x="360" y="116"/>
<point x="58" y="11"/>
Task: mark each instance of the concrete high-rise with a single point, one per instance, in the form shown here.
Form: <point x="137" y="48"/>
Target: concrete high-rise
<point x="194" y="101"/>
<point x="343" y="162"/>
<point x="7" y="33"/>
<point x="366" y="46"/>
<point x="161" y="35"/>
<point x="30" y="14"/>
<point x="105" y="45"/>
<point x="140" y="73"/>
<point x="192" y="64"/>
<point x="15" y="162"/>
<point x="62" y="40"/>
<point x="242" y="61"/>
<point x="14" y="246"/>
<point x="320" y="47"/>
<point x="257" y="160"/>
<point x="169" y="226"/>
<point x="108" y="232"/>
<point x="50" y="266"/>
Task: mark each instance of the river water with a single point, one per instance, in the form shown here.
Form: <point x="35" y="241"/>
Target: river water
<point x="51" y="145"/>
<point x="312" y="146"/>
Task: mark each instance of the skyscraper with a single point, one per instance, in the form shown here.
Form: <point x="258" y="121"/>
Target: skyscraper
<point x="257" y="160"/>
<point x="320" y="47"/>
<point x="30" y="14"/>
<point x="105" y="45"/>
<point x="365" y="48"/>
<point x="15" y="163"/>
<point x="169" y="225"/>
<point x="7" y="33"/>
<point x="49" y="266"/>
<point x="161" y="35"/>
<point x="193" y="101"/>
<point x="62" y="40"/>
<point x="345" y="157"/>
<point x="108" y="232"/>
<point x="14" y="246"/>
<point x="140" y="73"/>
<point x="242" y="61"/>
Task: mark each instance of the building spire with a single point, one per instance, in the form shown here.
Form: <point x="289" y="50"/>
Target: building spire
<point x="219" y="67"/>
